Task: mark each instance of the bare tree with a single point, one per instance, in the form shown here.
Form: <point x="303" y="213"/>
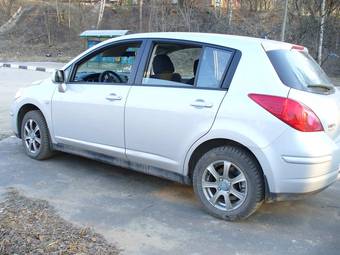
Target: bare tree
<point x="57" y="10"/>
<point x="230" y="11"/>
<point x="140" y="15"/>
<point x="322" y="27"/>
<point x="48" y="27"/>
<point x="69" y="14"/>
<point x="284" y="23"/>
<point x="186" y="9"/>
<point x="7" y="5"/>
<point x="101" y="12"/>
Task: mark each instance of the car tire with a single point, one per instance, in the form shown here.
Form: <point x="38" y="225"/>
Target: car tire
<point x="229" y="183"/>
<point x="35" y="136"/>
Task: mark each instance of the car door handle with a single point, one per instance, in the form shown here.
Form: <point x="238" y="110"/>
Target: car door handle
<point x="113" y="97"/>
<point x="200" y="103"/>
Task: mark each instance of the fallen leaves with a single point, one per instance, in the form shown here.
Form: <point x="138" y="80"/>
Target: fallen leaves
<point x="29" y="226"/>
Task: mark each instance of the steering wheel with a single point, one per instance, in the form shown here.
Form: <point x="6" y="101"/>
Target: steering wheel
<point x="110" y="76"/>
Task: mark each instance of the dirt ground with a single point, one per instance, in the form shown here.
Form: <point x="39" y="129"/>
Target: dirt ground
<point x="30" y="226"/>
<point x="12" y="50"/>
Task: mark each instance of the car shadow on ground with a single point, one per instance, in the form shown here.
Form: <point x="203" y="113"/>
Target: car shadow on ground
<point x="285" y="212"/>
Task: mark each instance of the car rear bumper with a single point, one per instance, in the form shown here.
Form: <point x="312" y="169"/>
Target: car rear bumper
<point x="315" y="185"/>
<point x="298" y="164"/>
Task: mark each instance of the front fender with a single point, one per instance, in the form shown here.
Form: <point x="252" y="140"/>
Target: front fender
<point x="39" y="96"/>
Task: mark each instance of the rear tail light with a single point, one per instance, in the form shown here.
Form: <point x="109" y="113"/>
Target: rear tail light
<point x="291" y="112"/>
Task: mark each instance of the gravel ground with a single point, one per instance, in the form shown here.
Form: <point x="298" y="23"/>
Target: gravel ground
<point x="30" y="226"/>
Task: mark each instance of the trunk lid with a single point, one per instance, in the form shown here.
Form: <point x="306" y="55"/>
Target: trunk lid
<point x="326" y="107"/>
<point x="308" y="82"/>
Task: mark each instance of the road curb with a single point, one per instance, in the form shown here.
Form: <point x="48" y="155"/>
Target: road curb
<point x="31" y="68"/>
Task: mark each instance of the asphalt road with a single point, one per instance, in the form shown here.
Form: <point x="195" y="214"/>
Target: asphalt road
<point x="147" y="215"/>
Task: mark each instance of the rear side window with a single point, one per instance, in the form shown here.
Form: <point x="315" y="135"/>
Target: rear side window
<point x="213" y="67"/>
<point x="187" y="65"/>
<point x="172" y="64"/>
<point x="297" y="69"/>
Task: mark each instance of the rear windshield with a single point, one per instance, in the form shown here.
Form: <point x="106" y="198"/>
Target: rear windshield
<point x="297" y="69"/>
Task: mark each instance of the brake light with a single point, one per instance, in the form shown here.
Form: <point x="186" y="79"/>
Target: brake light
<point x="291" y="112"/>
<point x="298" y="47"/>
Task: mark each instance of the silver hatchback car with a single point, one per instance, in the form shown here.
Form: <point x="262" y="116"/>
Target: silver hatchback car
<point x="244" y="120"/>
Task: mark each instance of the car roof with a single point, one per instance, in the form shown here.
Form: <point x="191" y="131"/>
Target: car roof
<point x="233" y="41"/>
<point x="242" y="43"/>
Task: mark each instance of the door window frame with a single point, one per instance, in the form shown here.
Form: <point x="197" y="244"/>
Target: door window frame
<point x="226" y="77"/>
<point x="102" y="48"/>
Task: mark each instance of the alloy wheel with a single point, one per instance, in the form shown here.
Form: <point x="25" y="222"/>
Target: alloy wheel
<point x="224" y="185"/>
<point x="32" y="136"/>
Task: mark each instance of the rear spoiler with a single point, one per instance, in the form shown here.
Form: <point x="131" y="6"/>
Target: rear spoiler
<point x="275" y="45"/>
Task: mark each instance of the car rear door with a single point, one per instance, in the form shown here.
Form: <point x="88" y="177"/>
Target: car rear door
<point x="169" y="109"/>
<point x="90" y="113"/>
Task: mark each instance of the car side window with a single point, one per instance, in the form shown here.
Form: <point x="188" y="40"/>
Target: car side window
<point x="213" y="67"/>
<point x="110" y="65"/>
<point x="172" y="64"/>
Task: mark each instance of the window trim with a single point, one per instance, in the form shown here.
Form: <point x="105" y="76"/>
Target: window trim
<point x="102" y="48"/>
<point x="231" y="70"/>
<point x="227" y="75"/>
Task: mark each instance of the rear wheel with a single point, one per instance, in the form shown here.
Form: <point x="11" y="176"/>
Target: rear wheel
<point x="35" y="136"/>
<point x="229" y="183"/>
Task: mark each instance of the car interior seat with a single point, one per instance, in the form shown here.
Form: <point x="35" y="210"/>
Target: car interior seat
<point x="192" y="80"/>
<point x="164" y="69"/>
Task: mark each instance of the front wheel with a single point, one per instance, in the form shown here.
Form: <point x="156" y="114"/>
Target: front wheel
<point x="35" y="136"/>
<point x="229" y="183"/>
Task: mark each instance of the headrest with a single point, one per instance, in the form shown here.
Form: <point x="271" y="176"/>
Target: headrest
<point x="162" y="64"/>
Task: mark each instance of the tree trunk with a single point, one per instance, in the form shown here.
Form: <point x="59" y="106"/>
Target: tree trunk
<point x="69" y="14"/>
<point x="151" y="10"/>
<point x="283" y="31"/>
<point x="48" y="28"/>
<point x="57" y="10"/>
<point x="230" y="11"/>
<point x="140" y="15"/>
<point x="322" y="27"/>
<point x="101" y="12"/>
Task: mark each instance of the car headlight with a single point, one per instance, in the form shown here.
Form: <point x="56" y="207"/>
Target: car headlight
<point x="18" y="94"/>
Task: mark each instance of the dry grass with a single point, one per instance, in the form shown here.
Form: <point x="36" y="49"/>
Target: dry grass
<point x="30" y="226"/>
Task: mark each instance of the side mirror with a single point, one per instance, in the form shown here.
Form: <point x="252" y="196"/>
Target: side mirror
<point x="58" y="77"/>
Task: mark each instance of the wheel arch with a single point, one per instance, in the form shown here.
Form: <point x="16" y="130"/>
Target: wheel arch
<point x="217" y="142"/>
<point x="21" y="113"/>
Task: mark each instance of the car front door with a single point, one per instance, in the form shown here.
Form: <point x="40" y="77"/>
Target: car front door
<point x="174" y="101"/>
<point x="89" y="114"/>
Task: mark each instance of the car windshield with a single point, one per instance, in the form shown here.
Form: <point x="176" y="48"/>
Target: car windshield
<point x="297" y="69"/>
